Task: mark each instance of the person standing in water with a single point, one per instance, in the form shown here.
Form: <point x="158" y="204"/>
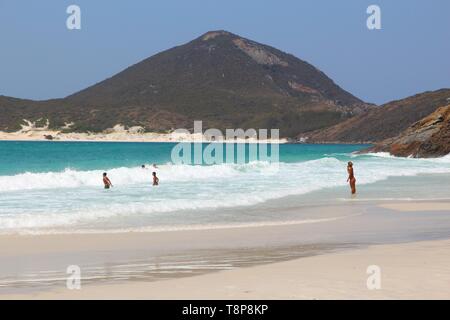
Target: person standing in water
<point x="106" y="181"/>
<point x="351" y="177"/>
<point x="155" y="179"/>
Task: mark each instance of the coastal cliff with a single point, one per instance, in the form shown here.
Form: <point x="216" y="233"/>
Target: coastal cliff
<point x="429" y="137"/>
<point x="383" y="122"/>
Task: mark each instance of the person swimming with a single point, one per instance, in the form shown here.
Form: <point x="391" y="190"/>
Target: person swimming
<point x="351" y="177"/>
<point x="155" y="179"/>
<point x="106" y="181"/>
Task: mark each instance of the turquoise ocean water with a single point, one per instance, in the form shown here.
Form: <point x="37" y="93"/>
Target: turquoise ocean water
<point x="54" y="186"/>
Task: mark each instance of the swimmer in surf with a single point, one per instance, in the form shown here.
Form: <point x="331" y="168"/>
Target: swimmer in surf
<point x="106" y="181"/>
<point x="155" y="179"/>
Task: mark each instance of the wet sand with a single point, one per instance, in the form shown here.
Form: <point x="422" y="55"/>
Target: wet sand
<point x="315" y="260"/>
<point x="419" y="270"/>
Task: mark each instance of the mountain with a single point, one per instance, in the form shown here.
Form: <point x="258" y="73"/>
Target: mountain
<point x="221" y="78"/>
<point x="382" y="122"/>
<point x="429" y="137"/>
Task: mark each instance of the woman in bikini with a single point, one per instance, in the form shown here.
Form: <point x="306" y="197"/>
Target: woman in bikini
<point x="351" y="177"/>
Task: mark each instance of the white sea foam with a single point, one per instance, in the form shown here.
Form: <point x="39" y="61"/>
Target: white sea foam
<point x="444" y="159"/>
<point x="71" y="197"/>
<point x="192" y="227"/>
<point x="70" y="178"/>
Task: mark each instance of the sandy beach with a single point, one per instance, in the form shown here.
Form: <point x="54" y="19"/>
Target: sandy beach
<point x="294" y="261"/>
<point x="116" y="134"/>
<point x="201" y="151"/>
<point x="419" y="270"/>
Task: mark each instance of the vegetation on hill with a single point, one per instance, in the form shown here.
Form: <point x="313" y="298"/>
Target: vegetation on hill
<point x="220" y="78"/>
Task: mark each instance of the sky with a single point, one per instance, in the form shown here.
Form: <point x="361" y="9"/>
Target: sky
<point x="40" y="58"/>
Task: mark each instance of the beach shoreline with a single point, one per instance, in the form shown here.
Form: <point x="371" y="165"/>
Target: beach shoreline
<point x="122" y="135"/>
<point x="231" y="263"/>
<point x="417" y="270"/>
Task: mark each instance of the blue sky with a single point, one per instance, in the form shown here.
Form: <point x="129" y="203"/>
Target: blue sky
<point x="40" y="58"/>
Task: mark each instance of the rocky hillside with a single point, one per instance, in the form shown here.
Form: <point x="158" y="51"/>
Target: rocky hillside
<point x="429" y="137"/>
<point x="221" y="78"/>
<point x="383" y="122"/>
